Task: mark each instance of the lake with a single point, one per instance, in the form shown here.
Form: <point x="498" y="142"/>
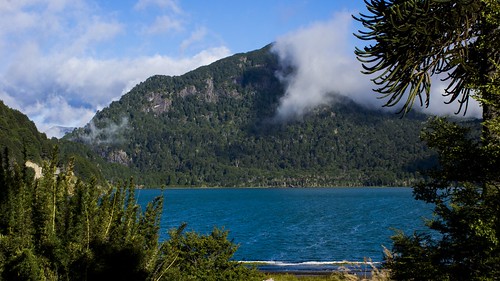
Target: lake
<point x="291" y="226"/>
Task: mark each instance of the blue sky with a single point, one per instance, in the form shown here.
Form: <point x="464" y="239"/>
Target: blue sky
<point x="180" y="28"/>
<point x="62" y="60"/>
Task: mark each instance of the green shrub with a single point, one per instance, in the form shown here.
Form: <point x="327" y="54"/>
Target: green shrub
<point x="204" y="257"/>
<point x="60" y="228"/>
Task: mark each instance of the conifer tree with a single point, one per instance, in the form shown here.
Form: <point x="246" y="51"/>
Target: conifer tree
<point x="460" y="41"/>
<point x="60" y="228"/>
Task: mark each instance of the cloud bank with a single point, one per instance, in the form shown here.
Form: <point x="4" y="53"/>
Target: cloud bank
<point x="58" y="63"/>
<point x="324" y="66"/>
<point x="67" y="90"/>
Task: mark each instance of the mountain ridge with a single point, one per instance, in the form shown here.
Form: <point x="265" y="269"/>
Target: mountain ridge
<point x="216" y="126"/>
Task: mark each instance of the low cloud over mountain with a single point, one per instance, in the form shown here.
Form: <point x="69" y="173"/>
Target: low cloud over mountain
<point x="324" y="65"/>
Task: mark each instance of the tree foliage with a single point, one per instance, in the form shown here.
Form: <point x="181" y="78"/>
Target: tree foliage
<point x="416" y="39"/>
<point x="460" y="40"/>
<point x="60" y="228"/>
<point x="465" y="190"/>
<point x="204" y="257"/>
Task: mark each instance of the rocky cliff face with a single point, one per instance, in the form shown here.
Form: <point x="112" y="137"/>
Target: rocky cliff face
<point x="37" y="169"/>
<point x="157" y="104"/>
<point x="119" y="156"/>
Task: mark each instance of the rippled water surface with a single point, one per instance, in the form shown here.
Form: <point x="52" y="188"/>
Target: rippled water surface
<point x="296" y="224"/>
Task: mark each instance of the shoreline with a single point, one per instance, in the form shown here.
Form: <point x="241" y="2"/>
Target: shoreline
<point x="266" y="187"/>
<point x="312" y="268"/>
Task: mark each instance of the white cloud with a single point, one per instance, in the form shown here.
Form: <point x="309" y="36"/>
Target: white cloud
<point x="94" y="31"/>
<point x="13" y="20"/>
<point x="110" y="133"/>
<point x="196" y="36"/>
<point x="85" y="84"/>
<point x="438" y="102"/>
<point x="53" y="109"/>
<point x="324" y="64"/>
<point x="164" y="24"/>
<point x="169" y="16"/>
<point x="164" y="4"/>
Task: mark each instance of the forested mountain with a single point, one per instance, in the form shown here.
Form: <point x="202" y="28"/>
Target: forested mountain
<point x="214" y="126"/>
<point x="23" y="141"/>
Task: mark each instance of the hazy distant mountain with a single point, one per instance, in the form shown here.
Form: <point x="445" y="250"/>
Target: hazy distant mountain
<point x="215" y="126"/>
<point x="59" y="131"/>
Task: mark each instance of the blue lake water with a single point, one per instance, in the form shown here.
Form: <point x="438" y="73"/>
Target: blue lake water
<point x="296" y="225"/>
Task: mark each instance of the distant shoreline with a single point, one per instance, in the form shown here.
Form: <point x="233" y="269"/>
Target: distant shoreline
<point x="266" y="187"/>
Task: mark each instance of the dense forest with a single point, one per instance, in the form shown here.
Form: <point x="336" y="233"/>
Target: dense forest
<point x="215" y="126"/>
<point x="21" y="138"/>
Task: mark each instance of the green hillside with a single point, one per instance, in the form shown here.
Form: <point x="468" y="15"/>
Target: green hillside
<point x="19" y="135"/>
<point x="214" y="126"/>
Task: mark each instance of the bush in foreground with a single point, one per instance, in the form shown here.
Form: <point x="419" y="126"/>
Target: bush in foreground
<point x="60" y="228"/>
